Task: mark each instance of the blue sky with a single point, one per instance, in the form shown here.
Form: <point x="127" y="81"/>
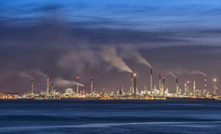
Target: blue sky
<point x="197" y="22"/>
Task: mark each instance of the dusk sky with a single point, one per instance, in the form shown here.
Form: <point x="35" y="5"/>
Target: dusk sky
<point x="90" y="38"/>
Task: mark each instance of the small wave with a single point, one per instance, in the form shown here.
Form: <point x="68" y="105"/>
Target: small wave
<point x="103" y="125"/>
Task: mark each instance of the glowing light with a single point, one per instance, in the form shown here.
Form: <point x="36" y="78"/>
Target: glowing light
<point x="77" y="77"/>
<point x="214" y="79"/>
<point x="134" y="74"/>
<point x="188" y="82"/>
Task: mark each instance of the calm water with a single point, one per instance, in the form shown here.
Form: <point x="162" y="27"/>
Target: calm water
<point x="29" y="116"/>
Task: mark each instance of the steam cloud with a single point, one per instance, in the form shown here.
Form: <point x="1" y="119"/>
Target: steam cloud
<point x="78" y="60"/>
<point x="39" y="72"/>
<point x="28" y="73"/>
<point x="187" y="71"/>
<point x="63" y="83"/>
<point x="172" y="74"/>
<point x="23" y="74"/>
<point x="197" y="72"/>
<point x="109" y="54"/>
<point x="131" y="52"/>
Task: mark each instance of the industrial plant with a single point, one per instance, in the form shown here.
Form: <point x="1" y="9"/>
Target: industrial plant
<point x="154" y="93"/>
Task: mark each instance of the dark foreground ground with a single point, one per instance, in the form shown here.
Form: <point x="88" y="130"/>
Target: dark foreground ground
<point x="51" y="117"/>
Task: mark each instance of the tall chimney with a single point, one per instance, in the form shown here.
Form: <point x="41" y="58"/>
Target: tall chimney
<point x="135" y="84"/>
<point x="77" y="84"/>
<point x="51" y="87"/>
<point x="164" y="81"/>
<point x="214" y="87"/>
<point x="205" y="90"/>
<point x="151" y="81"/>
<point x="32" y="85"/>
<point x="188" y="88"/>
<point x="159" y="82"/>
<point x="83" y="89"/>
<point x="132" y="84"/>
<point x="47" y="84"/>
<point x="185" y="88"/>
<point x="177" y="86"/>
<point x="92" y="84"/>
<point x="194" y="88"/>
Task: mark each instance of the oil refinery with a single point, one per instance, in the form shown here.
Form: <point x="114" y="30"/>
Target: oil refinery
<point x="154" y="93"/>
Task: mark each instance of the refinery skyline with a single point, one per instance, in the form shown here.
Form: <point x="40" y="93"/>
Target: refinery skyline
<point x="103" y="40"/>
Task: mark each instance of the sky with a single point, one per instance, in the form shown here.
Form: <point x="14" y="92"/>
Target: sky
<point x="106" y="40"/>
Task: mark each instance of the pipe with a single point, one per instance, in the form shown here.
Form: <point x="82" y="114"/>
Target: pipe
<point x="151" y="81"/>
<point x="164" y="82"/>
<point x="205" y="90"/>
<point x="214" y="87"/>
<point x="132" y="84"/>
<point x="135" y="86"/>
<point x="47" y="84"/>
<point x="51" y="87"/>
<point x="177" y="86"/>
<point x="77" y="84"/>
<point x="188" y="88"/>
<point x="92" y="84"/>
<point x="194" y="88"/>
<point x="32" y="85"/>
<point x="159" y="82"/>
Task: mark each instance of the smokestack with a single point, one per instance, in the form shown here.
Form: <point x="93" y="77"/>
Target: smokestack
<point x="188" y="87"/>
<point x="47" y="84"/>
<point x="132" y="84"/>
<point x="214" y="87"/>
<point x="205" y="85"/>
<point x="92" y="84"/>
<point x="194" y="88"/>
<point x="177" y="86"/>
<point x="185" y="88"/>
<point x="83" y="89"/>
<point x="159" y="82"/>
<point x="135" y="84"/>
<point x="164" y="81"/>
<point x="51" y="87"/>
<point x="32" y="85"/>
<point x="151" y="80"/>
<point x="77" y="84"/>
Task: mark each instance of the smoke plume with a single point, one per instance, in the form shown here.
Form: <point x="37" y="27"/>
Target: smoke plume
<point x="172" y="74"/>
<point x="109" y="54"/>
<point x="40" y="73"/>
<point x="23" y="74"/>
<point x="197" y="72"/>
<point x="131" y="52"/>
<point x="78" y="60"/>
<point x="187" y="71"/>
<point x="64" y="83"/>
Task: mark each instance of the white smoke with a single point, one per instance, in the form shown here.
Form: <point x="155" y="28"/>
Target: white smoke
<point x="187" y="71"/>
<point x="172" y="74"/>
<point x="79" y="59"/>
<point x="40" y="73"/>
<point x="197" y="72"/>
<point x="131" y="52"/>
<point x="109" y="54"/>
<point x="23" y="74"/>
<point x="31" y="72"/>
<point x="64" y="83"/>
